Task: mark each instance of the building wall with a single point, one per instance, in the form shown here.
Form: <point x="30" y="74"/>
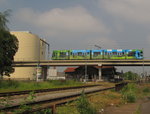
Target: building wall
<point x="31" y="47"/>
<point x="54" y="75"/>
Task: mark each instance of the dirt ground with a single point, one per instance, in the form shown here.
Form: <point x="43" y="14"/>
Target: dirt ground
<point x="140" y="107"/>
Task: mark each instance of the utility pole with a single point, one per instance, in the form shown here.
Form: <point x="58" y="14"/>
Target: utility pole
<point x="85" y="71"/>
<point x="143" y="63"/>
<point x="38" y="64"/>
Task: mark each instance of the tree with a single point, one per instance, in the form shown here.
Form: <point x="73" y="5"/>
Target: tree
<point x="8" y="46"/>
<point x="131" y="76"/>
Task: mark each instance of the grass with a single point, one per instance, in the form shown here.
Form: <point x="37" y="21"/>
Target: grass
<point x="83" y="105"/>
<point x="67" y="109"/>
<point x="97" y="100"/>
<point x="11" y="85"/>
<point x="138" y="111"/>
<point x="106" y="98"/>
<point x="101" y="100"/>
<point x="129" y="92"/>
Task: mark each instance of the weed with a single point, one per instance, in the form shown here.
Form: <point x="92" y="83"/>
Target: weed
<point x="23" y="107"/>
<point x="146" y="90"/>
<point x="5" y="102"/>
<point x="67" y="109"/>
<point x="138" y="111"/>
<point x="11" y="85"/>
<point x="130" y="97"/>
<point x="129" y="93"/>
<point x="44" y="111"/>
<point x="83" y="105"/>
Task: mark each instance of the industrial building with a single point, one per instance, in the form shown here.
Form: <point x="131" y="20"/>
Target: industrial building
<point x="31" y="47"/>
<point x="91" y="73"/>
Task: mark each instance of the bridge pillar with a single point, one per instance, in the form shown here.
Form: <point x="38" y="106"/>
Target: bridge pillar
<point x="100" y="72"/>
<point x="44" y="72"/>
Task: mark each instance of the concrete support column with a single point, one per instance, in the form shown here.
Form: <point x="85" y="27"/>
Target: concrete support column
<point x="100" y="72"/>
<point x="44" y="72"/>
<point x="38" y="73"/>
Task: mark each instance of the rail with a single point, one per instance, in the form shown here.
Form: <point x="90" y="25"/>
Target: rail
<point x="43" y="90"/>
<point x="61" y="99"/>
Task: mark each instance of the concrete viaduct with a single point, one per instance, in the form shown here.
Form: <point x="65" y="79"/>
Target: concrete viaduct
<point x="81" y="63"/>
<point x="51" y="63"/>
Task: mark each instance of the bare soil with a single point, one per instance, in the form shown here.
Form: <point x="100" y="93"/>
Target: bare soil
<point x="140" y="107"/>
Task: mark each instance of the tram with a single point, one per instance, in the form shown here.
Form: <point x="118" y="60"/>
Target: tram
<point x="97" y="54"/>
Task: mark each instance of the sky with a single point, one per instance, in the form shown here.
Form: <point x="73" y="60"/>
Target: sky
<point x="81" y="24"/>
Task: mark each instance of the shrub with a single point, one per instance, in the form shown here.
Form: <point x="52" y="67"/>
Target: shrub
<point x="131" y="76"/>
<point x="83" y="105"/>
<point x="146" y="90"/>
<point x="130" y="97"/>
<point x="129" y="93"/>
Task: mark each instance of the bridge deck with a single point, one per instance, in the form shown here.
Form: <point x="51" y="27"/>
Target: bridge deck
<point x="83" y="62"/>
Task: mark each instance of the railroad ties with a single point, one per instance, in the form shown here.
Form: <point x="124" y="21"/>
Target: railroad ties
<point x="56" y="98"/>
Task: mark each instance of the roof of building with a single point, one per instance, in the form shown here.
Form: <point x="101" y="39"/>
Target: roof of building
<point x="70" y="69"/>
<point x="104" y="66"/>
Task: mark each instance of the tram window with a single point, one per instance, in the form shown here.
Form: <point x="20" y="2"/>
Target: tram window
<point x="80" y="54"/>
<point x="53" y="55"/>
<point x="62" y="54"/>
<point x="105" y="53"/>
<point x="131" y="54"/>
<point x="84" y="54"/>
<point x="74" y="54"/>
<point x="119" y="54"/>
<point x="114" y="53"/>
<point x="96" y="54"/>
<point x="110" y="53"/>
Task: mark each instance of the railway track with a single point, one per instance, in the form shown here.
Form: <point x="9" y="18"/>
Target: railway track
<point x="4" y="94"/>
<point x="53" y="99"/>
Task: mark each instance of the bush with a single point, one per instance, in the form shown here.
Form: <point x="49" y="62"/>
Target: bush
<point x="83" y="105"/>
<point x="129" y="93"/>
<point x="131" y="76"/>
<point x="130" y="97"/>
<point x="146" y="90"/>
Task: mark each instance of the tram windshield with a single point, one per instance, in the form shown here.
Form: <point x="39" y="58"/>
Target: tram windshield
<point x="139" y="55"/>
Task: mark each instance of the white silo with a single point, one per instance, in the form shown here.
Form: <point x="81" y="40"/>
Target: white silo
<point x="31" y="47"/>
